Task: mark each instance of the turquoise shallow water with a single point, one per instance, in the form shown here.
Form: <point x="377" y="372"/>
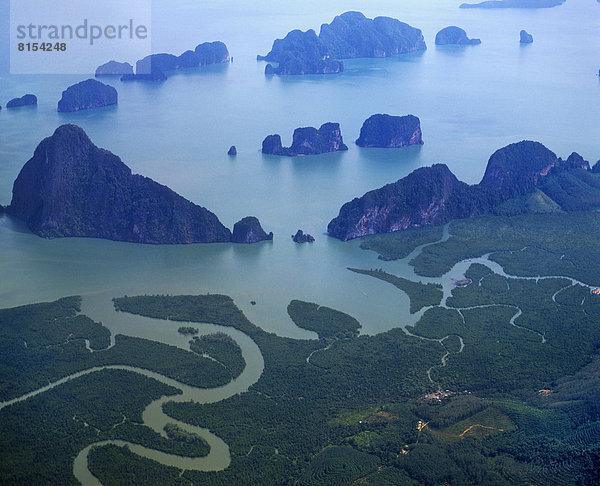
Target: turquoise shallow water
<point x="471" y="101"/>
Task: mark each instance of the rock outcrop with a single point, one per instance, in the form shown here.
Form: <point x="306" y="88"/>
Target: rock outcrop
<point x="514" y="4"/>
<point x="520" y="178"/>
<point x="349" y="35"/>
<point x="307" y="141"/>
<point x="429" y="195"/>
<point x="272" y="145"/>
<point x="249" y="230"/>
<point x="86" y="95"/>
<point x="70" y="187"/>
<point x="525" y="37"/>
<point x="114" y="68"/>
<point x="25" y="100"/>
<point x="388" y="131"/>
<point x="232" y="151"/>
<point x="453" y="35"/>
<point x="302" y="237"/>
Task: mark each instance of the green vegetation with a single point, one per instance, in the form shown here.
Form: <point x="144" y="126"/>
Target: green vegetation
<point x="40" y="437"/>
<point x="187" y="331"/>
<point x="487" y="422"/>
<point x="43" y="343"/>
<point x="339" y="411"/>
<point x="393" y="246"/>
<point x="421" y="295"/>
<point x="292" y="408"/>
<point x="326" y="322"/>
<point x="222" y="348"/>
<point x="337" y="466"/>
<point x="116" y="466"/>
<point x="525" y="245"/>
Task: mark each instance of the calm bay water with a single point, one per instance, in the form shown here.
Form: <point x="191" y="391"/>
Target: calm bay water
<point x="471" y="101"/>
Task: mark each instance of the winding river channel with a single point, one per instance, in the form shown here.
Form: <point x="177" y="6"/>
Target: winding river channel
<point x="101" y="309"/>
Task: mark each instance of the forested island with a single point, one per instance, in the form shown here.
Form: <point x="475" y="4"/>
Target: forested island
<point x="524" y="177"/>
<point x="156" y="66"/>
<point x="86" y="95"/>
<point x="70" y="187"/>
<point x="350" y="35"/>
<point x="307" y="141"/>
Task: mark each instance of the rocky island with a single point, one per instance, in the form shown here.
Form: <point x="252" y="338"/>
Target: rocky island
<point x="307" y="141"/>
<point x="514" y="4"/>
<point x="302" y="237"/>
<point x="453" y="35"/>
<point x="386" y="131"/>
<point x="523" y="177"/>
<point x="114" y="68"/>
<point x="86" y="95"/>
<point x="70" y="187"/>
<point x="301" y="53"/>
<point x="525" y="37"/>
<point x="249" y="230"/>
<point x="24" y="100"/>
<point x="155" y="66"/>
<point x="350" y="35"/>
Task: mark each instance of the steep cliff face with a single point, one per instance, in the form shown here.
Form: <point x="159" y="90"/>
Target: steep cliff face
<point x="516" y="168"/>
<point x="307" y="141"/>
<point x="87" y="94"/>
<point x="70" y="187"/>
<point x="387" y="131"/>
<point x="249" y="230"/>
<point x="429" y="195"/>
<point x="352" y="35"/>
<point x="520" y="178"/>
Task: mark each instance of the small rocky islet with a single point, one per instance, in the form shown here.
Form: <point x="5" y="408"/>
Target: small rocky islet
<point x="387" y="131"/>
<point x="86" y="95"/>
<point x="307" y="141"/>
<point x="525" y="37"/>
<point x="249" y="230"/>
<point x="456" y="36"/>
<point x="302" y="237"/>
<point x="25" y="100"/>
